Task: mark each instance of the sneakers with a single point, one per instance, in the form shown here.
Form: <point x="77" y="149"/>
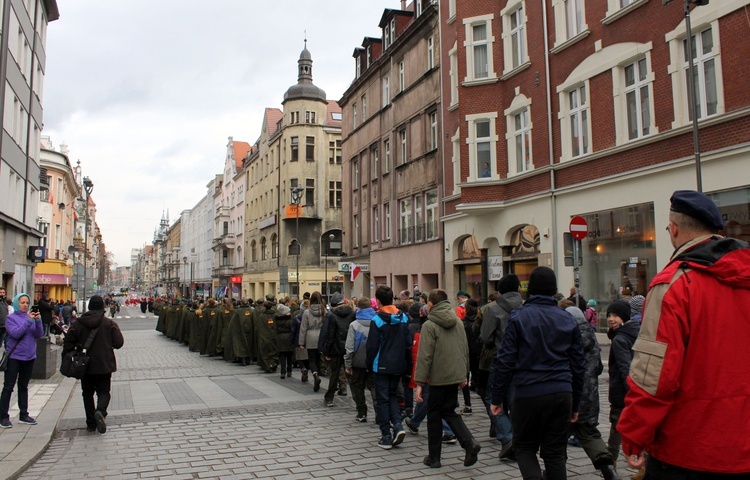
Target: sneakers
<point x="283" y="376"/>
<point x="329" y="403"/>
<point x="361" y="419"/>
<point x="466" y="410"/>
<point x="341" y="393"/>
<point x="316" y="385"/>
<point x="574" y="442"/>
<point x="399" y="437"/>
<point x="27" y="420"/>
<point x="449" y="438"/>
<point x="472" y="450"/>
<point x="5" y="423"/>
<point x="431" y="462"/>
<point x="101" y="427"/>
<point x="386" y="442"/>
<point x="410" y="427"/>
<point x="506" y="453"/>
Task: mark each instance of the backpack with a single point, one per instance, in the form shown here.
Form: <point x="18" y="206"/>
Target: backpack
<point x="359" y="360"/>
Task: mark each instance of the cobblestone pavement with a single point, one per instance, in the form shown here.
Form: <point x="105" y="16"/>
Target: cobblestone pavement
<point x="177" y="415"/>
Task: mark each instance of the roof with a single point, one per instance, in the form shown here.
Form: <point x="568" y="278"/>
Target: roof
<point x="240" y="152"/>
<point x="273" y="115"/>
<point x="333" y="106"/>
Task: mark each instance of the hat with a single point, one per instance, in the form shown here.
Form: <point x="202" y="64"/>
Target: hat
<point x="636" y="304"/>
<point x="463" y="293"/>
<point x="619" y="308"/>
<point x="414" y="310"/>
<point x="270" y="298"/>
<point x="423" y="311"/>
<point x="542" y="281"/>
<point x="337" y="299"/>
<point x="96" y="303"/>
<point x="592" y="303"/>
<point x="282" y="310"/>
<point x="472" y="303"/>
<point x="698" y="206"/>
<point x="509" y="283"/>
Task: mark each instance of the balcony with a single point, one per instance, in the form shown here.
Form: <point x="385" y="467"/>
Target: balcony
<point x="224" y="241"/>
<point x="305" y="211"/>
<point x="223" y="270"/>
<point x="222" y="212"/>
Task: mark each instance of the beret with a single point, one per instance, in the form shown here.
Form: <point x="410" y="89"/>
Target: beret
<point x="698" y="206"/>
<point x="463" y="293"/>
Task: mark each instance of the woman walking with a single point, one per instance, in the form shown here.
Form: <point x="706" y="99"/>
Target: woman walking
<point x="23" y="329"/>
<point x="309" y="334"/>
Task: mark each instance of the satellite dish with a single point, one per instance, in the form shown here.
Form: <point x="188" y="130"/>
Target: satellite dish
<point x="71" y="249"/>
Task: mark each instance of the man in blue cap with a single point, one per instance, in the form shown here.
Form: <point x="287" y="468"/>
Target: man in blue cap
<point x="690" y="379"/>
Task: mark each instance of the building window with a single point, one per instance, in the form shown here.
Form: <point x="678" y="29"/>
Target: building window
<point x="358" y="70"/>
<point x="263" y="249"/>
<point x="375" y="161"/>
<point x="334" y="152"/>
<point x="293" y="117"/>
<point x="637" y="98"/>
<point x="386" y="156"/>
<point x="354" y="115"/>
<point x="573" y="17"/>
<point x="393" y="30"/>
<point x="386" y="37"/>
<point x="369" y="55"/>
<point x="387" y="221"/>
<point x="309" y="117"/>
<point x="386" y="92"/>
<point x="479" y="40"/>
<point x="355" y="225"/>
<point x="482" y="143"/>
<point x="403" y="148"/>
<point x="295" y="149"/>
<point x="578" y="121"/>
<point x="363" y="101"/>
<point x="431" y="214"/>
<point x="253" y="251"/>
<point x="355" y="173"/>
<point x="419" y="232"/>
<point x="570" y="20"/>
<point x="309" y="191"/>
<point x="430" y="53"/>
<point x="274" y="246"/>
<point x="334" y="194"/>
<point x="418" y="7"/>
<point x="456" y="159"/>
<point x="453" y="73"/>
<point x="401" y="79"/>
<point x="514" y="35"/>
<point x="451" y="10"/>
<point x="375" y="224"/>
<point x="405" y="225"/>
<point x="521" y="147"/>
<point x="310" y="149"/>
<point x="434" y="134"/>
<point x="704" y="79"/>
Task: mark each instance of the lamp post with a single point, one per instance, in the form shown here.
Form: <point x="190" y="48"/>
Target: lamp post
<point x="328" y="251"/>
<point x="88" y="187"/>
<point x="692" y="96"/>
<point x="296" y="199"/>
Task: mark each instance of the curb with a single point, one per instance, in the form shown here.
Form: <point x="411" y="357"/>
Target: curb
<point x="36" y="441"/>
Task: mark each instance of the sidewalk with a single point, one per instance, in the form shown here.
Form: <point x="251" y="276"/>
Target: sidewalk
<point x="22" y="445"/>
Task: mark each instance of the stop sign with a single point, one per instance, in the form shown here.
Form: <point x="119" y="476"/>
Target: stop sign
<point x="578" y="227"/>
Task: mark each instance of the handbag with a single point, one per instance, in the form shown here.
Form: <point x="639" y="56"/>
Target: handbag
<point x="75" y="362"/>
<point x="6" y="356"/>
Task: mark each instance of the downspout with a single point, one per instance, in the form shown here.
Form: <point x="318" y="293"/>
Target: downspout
<point x="550" y="146"/>
<point x="441" y="171"/>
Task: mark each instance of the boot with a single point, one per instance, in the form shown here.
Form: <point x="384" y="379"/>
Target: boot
<point x="304" y="375"/>
<point x="243" y="361"/>
<point x="609" y="472"/>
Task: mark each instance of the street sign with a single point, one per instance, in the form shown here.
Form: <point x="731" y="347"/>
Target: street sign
<point x="578" y="227"/>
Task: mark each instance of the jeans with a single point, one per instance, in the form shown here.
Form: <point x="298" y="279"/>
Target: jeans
<point x="334" y="366"/>
<point x="17" y="370"/>
<point x="387" y="413"/>
<point x="285" y="360"/>
<point x="442" y="407"/>
<point x="542" y="424"/>
<point x="99" y="384"/>
<point x="503" y="423"/>
<point x="360" y="380"/>
<point x="313" y="359"/>
<point x="420" y="412"/>
<point x="615" y="440"/>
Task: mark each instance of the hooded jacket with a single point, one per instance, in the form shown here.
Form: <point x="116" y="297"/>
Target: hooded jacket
<point x="356" y="340"/>
<point x="23" y="331"/>
<point x="107" y="339"/>
<point x="338" y="328"/>
<point x="689" y="388"/>
<point x="309" y="330"/>
<point x="588" y="412"/>
<point x="443" y="356"/>
<point x="495" y="319"/>
<point x="389" y="343"/>
<point x="620" y="356"/>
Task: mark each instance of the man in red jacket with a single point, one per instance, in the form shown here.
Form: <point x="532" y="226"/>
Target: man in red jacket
<point x="690" y="379"/>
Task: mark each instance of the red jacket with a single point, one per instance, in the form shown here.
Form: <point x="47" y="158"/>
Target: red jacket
<point x="689" y="398"/>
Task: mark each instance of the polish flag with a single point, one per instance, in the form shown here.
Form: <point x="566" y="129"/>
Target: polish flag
<point x="355" y="270"/>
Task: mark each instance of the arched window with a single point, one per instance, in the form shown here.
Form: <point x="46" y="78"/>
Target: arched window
<point x="253" y="251"/>
<point x="263" y="249"/>
<point x="274" y="246"/>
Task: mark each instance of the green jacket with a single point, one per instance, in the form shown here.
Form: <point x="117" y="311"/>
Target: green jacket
<point x="443" y="357"/>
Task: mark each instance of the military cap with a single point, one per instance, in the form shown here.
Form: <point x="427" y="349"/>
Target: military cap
<point x="698" y="206"/>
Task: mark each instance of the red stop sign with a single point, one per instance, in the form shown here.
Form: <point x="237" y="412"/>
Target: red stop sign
<point x="578" y="227"/>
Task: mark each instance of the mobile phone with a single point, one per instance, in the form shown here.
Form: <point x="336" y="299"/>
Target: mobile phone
<point x="35" y="309"/>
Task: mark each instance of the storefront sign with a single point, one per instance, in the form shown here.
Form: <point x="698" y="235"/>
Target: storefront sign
<point x="52" y="279"/>
<point x="267" y="222"/>
<point x="495" y="267"/>
<point x="344" y="267"/>
<point x="235" y="279"/>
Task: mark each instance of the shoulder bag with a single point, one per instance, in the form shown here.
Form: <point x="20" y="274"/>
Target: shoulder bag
<point x="75" y="362"/>
<point x="6" y="356"/>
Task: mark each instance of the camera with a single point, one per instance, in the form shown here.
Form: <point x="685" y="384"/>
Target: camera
<point x="34" y="309"/>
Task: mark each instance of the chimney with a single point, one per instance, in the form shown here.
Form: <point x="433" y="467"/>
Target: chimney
<point x="403" y="4"/>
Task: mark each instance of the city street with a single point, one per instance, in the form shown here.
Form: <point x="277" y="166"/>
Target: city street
<point x="177" y="415"/>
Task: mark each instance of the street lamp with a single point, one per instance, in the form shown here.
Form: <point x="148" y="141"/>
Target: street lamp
<point x="88" y="187"/>
<point x="692" y="96"/>
<point x="328" y="251"/>
<point x="190" y="285"/>
<point x="296" y="199"/>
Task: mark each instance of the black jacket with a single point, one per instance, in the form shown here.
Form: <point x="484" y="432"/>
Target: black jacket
<point x="620" y="356"/>
<point x="108" y="338"/>
<point x="338" y="328"/>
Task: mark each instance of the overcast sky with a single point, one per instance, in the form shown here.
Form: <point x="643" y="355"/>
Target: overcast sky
<point x="145" y="93"/>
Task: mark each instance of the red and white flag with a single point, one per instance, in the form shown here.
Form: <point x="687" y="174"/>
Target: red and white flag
<point x="355" y="270"/>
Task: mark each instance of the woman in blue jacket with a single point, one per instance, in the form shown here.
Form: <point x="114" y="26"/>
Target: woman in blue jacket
<point x="23" y="329"/>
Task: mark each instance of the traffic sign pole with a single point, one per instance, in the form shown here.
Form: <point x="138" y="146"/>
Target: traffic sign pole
<point x="579" y="228"/>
